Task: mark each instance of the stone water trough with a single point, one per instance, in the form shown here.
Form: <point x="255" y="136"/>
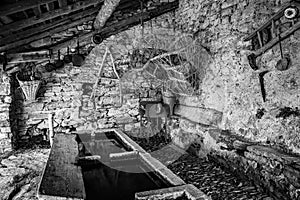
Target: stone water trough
<point x="108" y="165"/>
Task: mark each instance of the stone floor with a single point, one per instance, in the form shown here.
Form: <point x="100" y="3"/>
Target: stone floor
<point x="207" y="176"/>
<point x="20" y="173"/>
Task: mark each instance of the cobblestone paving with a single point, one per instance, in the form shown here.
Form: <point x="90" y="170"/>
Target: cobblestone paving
<point x="207" y="176"/>
<point x="20" y="174"/>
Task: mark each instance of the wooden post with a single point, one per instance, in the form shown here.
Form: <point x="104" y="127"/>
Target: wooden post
<point x="50" y="123"/>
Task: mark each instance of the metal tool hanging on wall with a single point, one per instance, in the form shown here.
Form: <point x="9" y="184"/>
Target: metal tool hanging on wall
<point x="265" y="37"/>
<point x="77" y="59"/>
<point x="284" y="62"/>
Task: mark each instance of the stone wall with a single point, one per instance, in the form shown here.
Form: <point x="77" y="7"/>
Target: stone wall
<point x="255" y="139"/>
<point x="230" y="85"/>
<point x="5" y="100"/>
<point x="66" y="93"/>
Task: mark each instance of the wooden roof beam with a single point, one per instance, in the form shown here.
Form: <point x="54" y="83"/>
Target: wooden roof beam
<point x="115" y="28"/>
<point x="46" y="30"/>
<point x="21" y="5"/>
<point x="15" y="26"/>
<point x="129" y="22"/>
<point x="105" y="12"/>
<point x="119" y="26"/>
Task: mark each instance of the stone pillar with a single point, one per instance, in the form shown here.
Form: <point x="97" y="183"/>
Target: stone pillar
<point x="5" y="100"/>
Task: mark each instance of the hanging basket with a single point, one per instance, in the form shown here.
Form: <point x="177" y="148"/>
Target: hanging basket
<point x="29" y="88"/>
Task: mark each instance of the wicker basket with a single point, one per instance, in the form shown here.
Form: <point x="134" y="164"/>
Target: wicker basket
<point x="29" y="88"/>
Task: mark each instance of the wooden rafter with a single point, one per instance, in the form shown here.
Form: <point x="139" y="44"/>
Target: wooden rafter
<point x="15" y="26"/>
<point x="110" y="28"/>
<point x="21" y="5"/>
<point x="134" y="20"/>
<point x="62" y="3"/>
<point x="105" y="12"/>
<point x="47" y="30"/>
<point x="119" y="26"/>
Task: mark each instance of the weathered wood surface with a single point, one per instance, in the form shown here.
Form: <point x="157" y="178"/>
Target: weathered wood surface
<point x="112" y="28"/>
<point x="21" y="5"/>
<point x="46" y="32"/>
<point x="6" y="29"/>
<point x="106" y="31"/>
<point x="61" y="178"/>
<point x="105" y="12"/>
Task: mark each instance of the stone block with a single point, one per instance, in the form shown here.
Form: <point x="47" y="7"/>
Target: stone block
<point x="4" y="107"/>
<point x="199" y="115"/>
<point x="4" y="116"/>
<point x="3" y="136"/>
<point x="7" y="99"/>
<point x="5" y="129"/>
<point x="4" y="89"/>
<point x="124" y="119"/>
<point x="5" y="142"/>
<point x="228" y="3"/>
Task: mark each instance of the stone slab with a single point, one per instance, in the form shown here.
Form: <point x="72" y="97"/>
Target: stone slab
<point x="173" y="192"/>
<point x="62" y="179"/>
<point x="199" y="115"/>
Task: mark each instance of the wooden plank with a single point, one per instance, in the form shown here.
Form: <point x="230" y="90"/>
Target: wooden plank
<point x="37" y="11"/>
<point x="115" y="28"/>
<point x="7" y="29"/>
<point x="259" y="39"/>
<point x="70" y="42"/>
<point x="129" y="22"/>
<point x="273" y="33"/>
<point x="61" y="178"/>
<point x="121" y="25"/>
<point x="35" y="34"/>
<point x="50" y="6"/>
<point x="21" y="5"/>
<point x="62" y="3"/>
<point x="25" y="14"/>
<point x="28" y="57"/>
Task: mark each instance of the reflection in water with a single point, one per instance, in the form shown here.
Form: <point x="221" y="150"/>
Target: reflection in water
<point x="113" y="180"/>
<point x="102" y="181"/>
<point x="101" y="145"/>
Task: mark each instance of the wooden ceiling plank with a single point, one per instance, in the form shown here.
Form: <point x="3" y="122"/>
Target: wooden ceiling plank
<point x="84" y="38"/>
<point x="47" y="27"/>
<point x="112" y="29"/>
<point x="21" y="5"/>
<point x="47" y="33"/>
<point x="118" y="27"/>
<point x="7" y="29"/>
<point x="25" y="14"/>
<point x="50" y="6"/>
<point x="128" y="22"/>
<point x="37" y="11"/>
<point x="6" y="19"/>
<point x="62" y="3"/>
